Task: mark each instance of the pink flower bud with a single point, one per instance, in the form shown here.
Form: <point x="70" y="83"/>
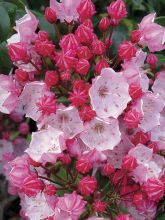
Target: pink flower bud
<point x="50" y="189"/>
<point x="5" y="135"/>
<point x="19" y="171"/>
<point x="154" y="189"/>
<point x="33" y="163"/>
<point x="31" y="186"/>
<point x="84" y="52"/>
<point x="43" y="35"/>
<point x="47" y="105"/>
<point x="104" y="24"/>
<point x="18" y="52"/>
<point x="88" y="23"/>
<point x="117" y="9"/>
<point x="108" y="43"/>
<point x="140" y="138"/>
<point x="98" y="47"/>
<point x="65" y="159"/>
<point x="87" y="185"/>
<point x="44" y="48"/>
<point x="152" y="60"/>
<point x="99" y="206"/>
<point x="102" y="63"/>
<point x="135" y="36"/>
<point x="138" y="198"/>
<point x="16" y="116"/>
<point x="135" y="91"/>
<point x="69" y="42"/>
<point x="86" y="9"/>
<point x="87" y="113"/>
<point x="84" y="34"/>
<point x="108" y="169"/>
<point x="132" y="118"/>
<point x="50" y="15"/>
<point x="153" y="146"/>
<point x="24" y="128"/>
<point x="66" y="75"/>
<point x="51" y="78"/>
<point x="126" y="50"/>
<point x="21" y="75"/>
<point x="124" y="217"/>
<point x="129" y="163"/>
<point x="83" y="165"/>
<point x="82" y="67"/>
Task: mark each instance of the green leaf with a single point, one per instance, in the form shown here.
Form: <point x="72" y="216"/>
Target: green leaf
<point x="161" y="61"/>
<point x="19" y="3"/>
<point x="160" y="20"/>
<point x="4" y="24"/>
<point x="20" y="13"/>
<point x="160" y="217"/>
<point x="63" y="100"/>
<point x="5" y="63"/>
<point x="45" y="25"/>
<point x="120" y="34"/>
<point x="14" y="135"/>
<point x="11" y="9"/>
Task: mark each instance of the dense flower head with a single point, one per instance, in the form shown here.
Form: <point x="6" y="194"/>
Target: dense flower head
<point x="84" y="132"/>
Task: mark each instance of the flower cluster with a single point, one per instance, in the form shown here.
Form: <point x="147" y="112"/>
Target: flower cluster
<point x="100" y="138"/>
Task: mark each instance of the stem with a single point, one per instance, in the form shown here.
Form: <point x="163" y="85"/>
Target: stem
<point x="116" y="63"/>
<point x="64" y="188"/>
<point x="75" y="177"/>
<point x="130" y="193"/>
<point x="63" y="90"/>
<point x="57" y="33"/>
<point x="70" y="28"/>
<point x="45" y="178"/>
<point x="59" y="178"/>
<point x="36" y="67"/>
<point x="111" y="32"/>
<point x="69" y="172"/>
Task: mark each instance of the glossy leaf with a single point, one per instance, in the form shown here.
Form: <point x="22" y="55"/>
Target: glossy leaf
<point x="5" y="63"/>
<point x="4" y="24"/>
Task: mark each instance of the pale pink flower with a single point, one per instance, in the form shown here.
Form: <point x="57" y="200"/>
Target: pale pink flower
<point x="72" y="205"/>
<point x="141" y="153"/>
<point x="151" y="106"/>
<point x="109" y="94"/>
<point x="116" y="155"/>
<point x="158" y="134"/>
<point x="152" y="34"/>
<point x="66" y="120"/>
<point x="29" y="98"/>
<point x="43" y="142"/>
<point x="147" y="209"/>
<point x="102" y="135"/>
<point x="9" y="93"/>
<point x="159" y="85"/>
<point x="133" y="71"/>
<point x="66" y="10"/>
<point x="148" y="166"/>
<point x="25" y="27"/>
<point x="37" y="207"/>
